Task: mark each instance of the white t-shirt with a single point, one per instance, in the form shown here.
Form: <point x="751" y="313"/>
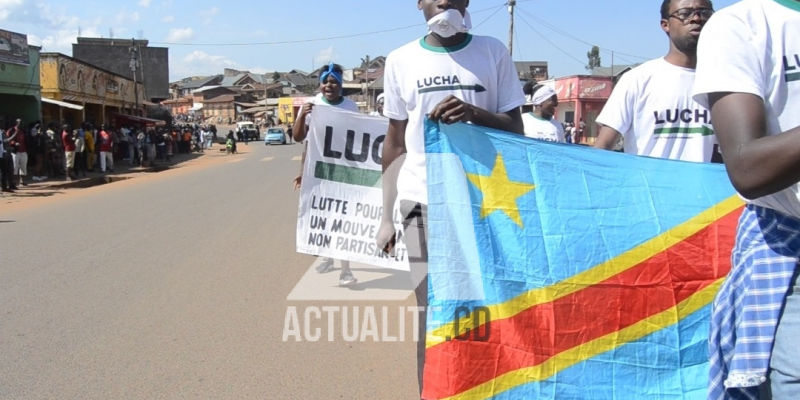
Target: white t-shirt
<point x="417" y="77"/>
<point x="754" y="47"/>
<point x="653" y="109"/>
<point x="540" y="128"/>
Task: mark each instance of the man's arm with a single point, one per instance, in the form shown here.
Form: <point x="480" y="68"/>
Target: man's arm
<point x="394" y="147"/>
<point x="758" y="164"/>
<point x="510" y="121"/>
<point x="607" y="138"/>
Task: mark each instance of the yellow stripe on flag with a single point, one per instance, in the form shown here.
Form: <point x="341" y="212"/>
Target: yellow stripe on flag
<point x="593" y="348"/>
<point x="593" y="276"/>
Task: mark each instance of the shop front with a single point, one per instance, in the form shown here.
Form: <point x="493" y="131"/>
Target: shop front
<point x="289" y="107"/>
<point x="20" y="90"/>
<point x="96" y="94"/>
<point x="580" y="99"/>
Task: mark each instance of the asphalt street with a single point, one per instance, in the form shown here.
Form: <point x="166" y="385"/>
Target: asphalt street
<point x="176" y="285"/>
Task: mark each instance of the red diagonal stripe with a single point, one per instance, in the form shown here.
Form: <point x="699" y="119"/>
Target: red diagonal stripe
<point x="533" y="336"/>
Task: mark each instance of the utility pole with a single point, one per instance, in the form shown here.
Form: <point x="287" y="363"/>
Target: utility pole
<point x="511" y="5"/>
<point x="133" y="64"/>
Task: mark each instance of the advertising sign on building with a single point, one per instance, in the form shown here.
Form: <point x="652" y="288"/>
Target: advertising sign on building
<point x="13" y="48"/>
<point x="595" y="89"/>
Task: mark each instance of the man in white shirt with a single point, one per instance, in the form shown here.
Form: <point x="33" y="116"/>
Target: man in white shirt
<point x="651" y="106"/>
<point x="748" y="74"/>
<point x="450" y="76"/>
<point x="379" y="102"/>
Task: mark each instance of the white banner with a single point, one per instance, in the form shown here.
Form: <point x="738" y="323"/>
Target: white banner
<point x="341" y="200"/>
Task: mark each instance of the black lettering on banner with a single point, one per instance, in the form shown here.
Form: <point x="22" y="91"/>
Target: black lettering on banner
<point x="377" y="150"/>
<point x="318" y="222"/>
<point x="328" y="150"/>
<point x="348" y="151"/>
<point x="319" y="240"/>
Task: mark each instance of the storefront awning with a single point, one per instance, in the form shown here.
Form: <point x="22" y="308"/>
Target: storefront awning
<point x="132" y="119"/>
<point x="62" y="104"/>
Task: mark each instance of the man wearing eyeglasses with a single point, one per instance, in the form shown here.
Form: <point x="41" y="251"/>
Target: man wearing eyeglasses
<point x="652" y="106"/>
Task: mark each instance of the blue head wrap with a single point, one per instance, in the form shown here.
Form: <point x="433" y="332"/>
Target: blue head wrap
<point x="331" y="72"/>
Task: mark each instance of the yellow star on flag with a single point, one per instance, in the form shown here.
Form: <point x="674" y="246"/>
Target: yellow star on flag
<point x="499" y="193"/>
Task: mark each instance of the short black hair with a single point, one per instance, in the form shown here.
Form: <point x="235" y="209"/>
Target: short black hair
<point x="667" y="3"/>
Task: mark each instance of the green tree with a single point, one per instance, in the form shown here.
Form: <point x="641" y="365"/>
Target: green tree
<point x="594" y="58"/>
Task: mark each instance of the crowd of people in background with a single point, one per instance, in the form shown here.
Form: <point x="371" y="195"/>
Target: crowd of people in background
<point x="70" y="152"/>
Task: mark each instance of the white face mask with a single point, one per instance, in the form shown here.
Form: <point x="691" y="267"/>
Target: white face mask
<point x="449" y="23"/>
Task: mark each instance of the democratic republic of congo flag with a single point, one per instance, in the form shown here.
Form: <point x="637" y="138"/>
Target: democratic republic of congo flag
<point x="564" y="272"/>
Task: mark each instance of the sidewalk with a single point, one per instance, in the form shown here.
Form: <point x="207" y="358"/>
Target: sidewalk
<point x="122" y="171"/>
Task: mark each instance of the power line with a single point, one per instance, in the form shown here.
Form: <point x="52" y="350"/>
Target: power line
<point x="551" y="43"/>
<point x="559" y="31"/>
<point x="500" y="7"/>
<point x="319" y="39"/>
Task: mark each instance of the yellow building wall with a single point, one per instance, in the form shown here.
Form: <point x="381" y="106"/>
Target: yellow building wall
<point x="64" y="76"/>
<point x="48" y="75"/>
<point x="286" y="110"/>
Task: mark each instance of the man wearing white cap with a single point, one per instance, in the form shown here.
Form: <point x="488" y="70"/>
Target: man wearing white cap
<point x="541" y="123"/>
<point x="378" y="112"/>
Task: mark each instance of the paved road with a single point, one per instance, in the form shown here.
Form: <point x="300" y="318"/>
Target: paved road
<point x="175" y="286"/>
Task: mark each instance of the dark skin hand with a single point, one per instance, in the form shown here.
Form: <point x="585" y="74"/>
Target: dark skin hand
<point x="452" y="110"/>
<point x="448" y="111"/>
<point x="758" y="164"/>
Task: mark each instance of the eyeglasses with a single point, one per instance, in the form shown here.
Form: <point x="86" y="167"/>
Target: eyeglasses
<point x="686" y="14"/>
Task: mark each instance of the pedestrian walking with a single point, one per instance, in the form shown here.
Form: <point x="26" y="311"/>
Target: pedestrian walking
<point x="330" y="96"/>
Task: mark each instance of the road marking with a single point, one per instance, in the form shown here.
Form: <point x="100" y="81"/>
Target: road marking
<point x="236" y="160"/>
<point x="297" y="158"/>
<point x="268" y="159"/>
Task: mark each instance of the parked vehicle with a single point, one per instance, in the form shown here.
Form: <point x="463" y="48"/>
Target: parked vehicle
<point x="275" y="135"/>
<point x="249" y="130"/>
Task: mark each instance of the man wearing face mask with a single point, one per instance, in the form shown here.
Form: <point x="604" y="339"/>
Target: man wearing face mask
<point x="652" y="106"/>
<point x="450" y="76"/>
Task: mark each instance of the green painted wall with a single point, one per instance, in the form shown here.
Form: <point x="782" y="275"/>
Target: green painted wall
<point x="20" y="89"/>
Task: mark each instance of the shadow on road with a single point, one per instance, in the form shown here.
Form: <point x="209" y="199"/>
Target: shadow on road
<point x="396" y="280"/>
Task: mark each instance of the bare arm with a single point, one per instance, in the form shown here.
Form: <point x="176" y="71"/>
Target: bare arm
<point x="453" y="109"/>
<point x="509" y="121"/>
<point x="393" y="148"/>
<point x="607" y="138"/>
<point x="300" y="129"/>
<point x="758" y="164"/>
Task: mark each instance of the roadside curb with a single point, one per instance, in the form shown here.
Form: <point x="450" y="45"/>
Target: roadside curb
<point x="102" y="180"/>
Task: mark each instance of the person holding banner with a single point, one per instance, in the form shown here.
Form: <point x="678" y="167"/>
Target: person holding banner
<point x="330" y="96"/>
<point x="747" y="74"/>
<point x="541" y="123"/>
<point x="449" y="76"/>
